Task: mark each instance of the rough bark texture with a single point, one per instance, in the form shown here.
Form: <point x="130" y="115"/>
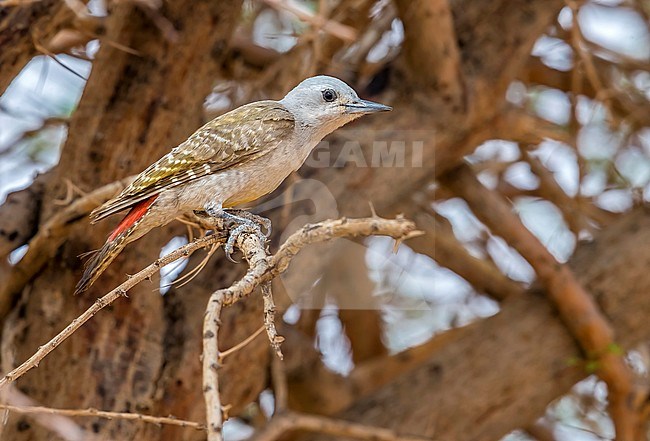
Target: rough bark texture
<point x="502" y="372"/>
<point x="136" y="356"/>
<point x="447" y="130"/>
<point x="21" y="222"/>
<point x="142" y="354"/>
<point x="21" y="27"/>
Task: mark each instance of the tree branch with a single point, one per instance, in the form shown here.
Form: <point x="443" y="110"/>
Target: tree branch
<point x="262" y="269"/>
<point x="45" y="243"/>
<point x="580" y="313"/>
<point x="433" y="57"/>
<point x="182" y="252"/>
<point x="290" y="421"/>
<point x="103" y="414"/>
<point x="521" y="358"/>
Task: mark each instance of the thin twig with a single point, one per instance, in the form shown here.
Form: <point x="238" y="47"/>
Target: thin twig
<point x="45" y="51"/>
<point x="60" y="425"/>
<point x="334" y="28"/>
<point x="269" y="320"/>
<point x="103" y="414"/>
<point x="576" y="306"/>
<point x="121" y="290"/>
<point x="262" y="269"/>
<point x="286" y="422"/>
<point x="71" y="191"/>
<point x="187" y="278"/>
<point x="241" y="345"/>
<point x="43" y="246"/>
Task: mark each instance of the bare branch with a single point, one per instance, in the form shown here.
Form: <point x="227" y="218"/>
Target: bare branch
<point x="43" y="246"/>
<point x="103" y="414"/>
<point x="269" y="320"/>
<point x="331" y="27"/>
<point x="592" y="330"/>
<point x="182" y="252"/>
<point x="287" y="422"/>
<point x="262" y="269"/>
<point x="433" y="57"/>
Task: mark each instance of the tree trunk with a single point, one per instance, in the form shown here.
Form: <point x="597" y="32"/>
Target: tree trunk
<point x="140" y="353"/>
<point x="482" y="381"/>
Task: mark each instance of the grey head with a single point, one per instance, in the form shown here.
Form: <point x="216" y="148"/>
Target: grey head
<point x="327" y="103"/>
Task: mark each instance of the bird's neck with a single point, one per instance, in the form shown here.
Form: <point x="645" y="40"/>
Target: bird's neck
<point x="306" y="138"/>
<point x="319" y="129"/>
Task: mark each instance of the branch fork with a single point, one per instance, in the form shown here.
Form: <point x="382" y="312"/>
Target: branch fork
<point x="262" y="269"/>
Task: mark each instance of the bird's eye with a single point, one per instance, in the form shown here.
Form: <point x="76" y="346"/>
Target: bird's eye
<point x="329" y="95"/>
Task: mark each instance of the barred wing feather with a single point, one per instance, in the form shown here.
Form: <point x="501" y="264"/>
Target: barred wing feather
<point x="236" y="137"/>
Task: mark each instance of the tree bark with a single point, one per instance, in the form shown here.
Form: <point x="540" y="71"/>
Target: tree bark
<point x="23" y="26"/>
<point x="500" y="373"/>
<point x="134" y="109"/>
<point x="142" y="355"/>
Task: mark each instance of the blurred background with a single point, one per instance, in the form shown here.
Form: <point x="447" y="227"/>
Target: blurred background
<point x="546" y="103"/>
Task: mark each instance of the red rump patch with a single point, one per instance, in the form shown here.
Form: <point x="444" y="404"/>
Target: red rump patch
<point x="134" y="215"/>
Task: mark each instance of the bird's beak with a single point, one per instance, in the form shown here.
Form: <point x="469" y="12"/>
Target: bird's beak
<point x="364" y="106"/>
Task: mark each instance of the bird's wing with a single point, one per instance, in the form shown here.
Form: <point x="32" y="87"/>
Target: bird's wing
<point x="236" y="137"/>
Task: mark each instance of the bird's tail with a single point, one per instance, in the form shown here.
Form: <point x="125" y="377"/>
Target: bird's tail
<point x="117" y="240"/>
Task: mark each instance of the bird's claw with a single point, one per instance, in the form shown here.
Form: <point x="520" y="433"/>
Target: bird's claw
<point x="234" y="235"/>
<point x="259" y="220"/>
<point x="266" y="223"/>
<point x="228" y="248"/>
<point x="239" y="221"/>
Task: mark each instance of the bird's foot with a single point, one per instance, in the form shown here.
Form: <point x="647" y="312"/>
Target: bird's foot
<point x="238" y="222"/>
<point x="260" y="220"/>
<point x="213" y="209"/>
<point x="245" y="227"/>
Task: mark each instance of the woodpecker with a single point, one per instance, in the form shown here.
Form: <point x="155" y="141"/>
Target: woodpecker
<point x="232" y="160"/>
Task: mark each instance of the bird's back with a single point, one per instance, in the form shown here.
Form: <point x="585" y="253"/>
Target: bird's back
<point x="230" y="140"/>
